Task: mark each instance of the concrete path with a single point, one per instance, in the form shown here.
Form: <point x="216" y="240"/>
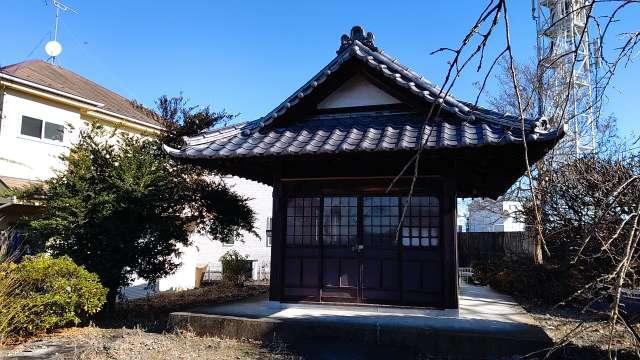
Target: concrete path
<point x="487" y="324"/>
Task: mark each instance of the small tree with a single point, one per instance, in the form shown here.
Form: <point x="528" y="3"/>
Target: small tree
<point x="123" y="207"/>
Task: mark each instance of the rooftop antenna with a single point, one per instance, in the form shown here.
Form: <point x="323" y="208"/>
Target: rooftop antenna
<point x="53" y="48"/>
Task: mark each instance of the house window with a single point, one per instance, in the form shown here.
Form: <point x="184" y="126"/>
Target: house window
<point x="268" y="231"/>
<point x="303" y="216"/>
<point x="421" y="224"/>
<point x="41" y="129"/>
<point x="380" y="220"/>
<point x="31" y="127"/>
<point x="53" y="131"/>
<point x="340" y="221"/>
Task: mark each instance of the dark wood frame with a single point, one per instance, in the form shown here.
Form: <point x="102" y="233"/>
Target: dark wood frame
<point x="443" y="188"/>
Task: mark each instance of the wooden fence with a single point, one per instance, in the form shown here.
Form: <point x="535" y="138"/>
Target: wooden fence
<point x="478" y="245"/>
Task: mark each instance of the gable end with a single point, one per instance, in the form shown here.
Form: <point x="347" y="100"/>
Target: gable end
<point x="356" y="92"/>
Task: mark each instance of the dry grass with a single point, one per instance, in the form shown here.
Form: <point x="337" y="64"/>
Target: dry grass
<point x="586" y="336"/>
<point x="95" y="343"/>
<point x="10" y="309"/>
<point x="218" y="292"/>
<point x="137" y="330"/>
<point x="153" y="312"/>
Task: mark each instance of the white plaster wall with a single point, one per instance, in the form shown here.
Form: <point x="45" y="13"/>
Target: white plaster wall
<point x="357" y="91"/>
<point x="27" y="157"/>
<point x="185" y="276"/>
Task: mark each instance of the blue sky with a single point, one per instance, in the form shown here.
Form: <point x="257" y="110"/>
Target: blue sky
<point x="247" y="56"/>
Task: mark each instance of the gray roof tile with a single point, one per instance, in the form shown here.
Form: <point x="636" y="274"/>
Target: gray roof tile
<point x="461" y="124"/>
<point x="61" y="79"/>
<point x="365" y="132"/>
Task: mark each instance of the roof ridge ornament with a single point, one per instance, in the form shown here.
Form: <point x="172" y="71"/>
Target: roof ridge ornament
<point x="357" y="33"/>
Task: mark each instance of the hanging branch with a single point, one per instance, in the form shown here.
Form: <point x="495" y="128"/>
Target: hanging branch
<point x="615" y="241"/>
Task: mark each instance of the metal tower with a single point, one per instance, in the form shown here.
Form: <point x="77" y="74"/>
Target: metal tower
<point x="565" y="66"/>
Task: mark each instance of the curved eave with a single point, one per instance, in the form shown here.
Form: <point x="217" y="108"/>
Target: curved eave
<point x="398" y="73"/>
<point x="549" y="137"/>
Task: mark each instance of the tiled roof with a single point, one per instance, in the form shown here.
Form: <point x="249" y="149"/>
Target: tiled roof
<point x="58" y="78"/>
<point x="17" y="183"/>
<point x="461" y="124"/>
<point x="357" y="132"/>
<point x="391" y="68"/>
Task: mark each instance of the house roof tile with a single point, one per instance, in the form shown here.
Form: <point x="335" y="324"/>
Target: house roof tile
<point x="17" y="183"/>
<point x="61" y="79"/>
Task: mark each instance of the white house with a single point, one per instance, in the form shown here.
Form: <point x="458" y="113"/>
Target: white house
<point x="42" y="109"/>
<point x="486" y="215"/>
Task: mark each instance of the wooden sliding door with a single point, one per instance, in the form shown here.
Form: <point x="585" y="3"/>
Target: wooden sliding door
<point x="379" y="249"/>
<point x="340" y="249"/>
<point x="302" y="249"/>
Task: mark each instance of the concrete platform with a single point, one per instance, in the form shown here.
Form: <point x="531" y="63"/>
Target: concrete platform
<point x="486" y="325"/>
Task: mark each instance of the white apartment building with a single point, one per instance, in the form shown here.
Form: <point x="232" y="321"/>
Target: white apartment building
<point x="486" y="215"/>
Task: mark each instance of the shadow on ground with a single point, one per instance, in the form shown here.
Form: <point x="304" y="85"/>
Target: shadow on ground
<point x="332" y="349"/>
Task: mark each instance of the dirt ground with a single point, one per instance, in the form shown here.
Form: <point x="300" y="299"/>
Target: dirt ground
<point x="137" y="330"/>
<point x="120" y="344"/>
<point x="92" y="342"/>
<point x="95" y="343"/>
<point x="586" y="336"/>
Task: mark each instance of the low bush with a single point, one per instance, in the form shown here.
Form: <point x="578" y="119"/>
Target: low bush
<point x="42" y="293"/>
<point x="544" y="284"/>
<point x="236" y="269"/>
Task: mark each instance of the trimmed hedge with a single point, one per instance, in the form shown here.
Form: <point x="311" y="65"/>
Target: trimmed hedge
<point x="42" y="293"/>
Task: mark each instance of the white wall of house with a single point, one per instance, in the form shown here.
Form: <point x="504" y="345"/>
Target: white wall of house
<point x="28" y="157"/>
<point x="486" y="215"/>
<point x="206" y="252"/>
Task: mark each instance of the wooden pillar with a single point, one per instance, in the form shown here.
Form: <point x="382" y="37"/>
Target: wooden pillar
<point x="276" y="281"/>
<point x="450" y="245"/>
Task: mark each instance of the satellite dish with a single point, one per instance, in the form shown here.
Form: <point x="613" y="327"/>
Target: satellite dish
<point x="53" y="48"/>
